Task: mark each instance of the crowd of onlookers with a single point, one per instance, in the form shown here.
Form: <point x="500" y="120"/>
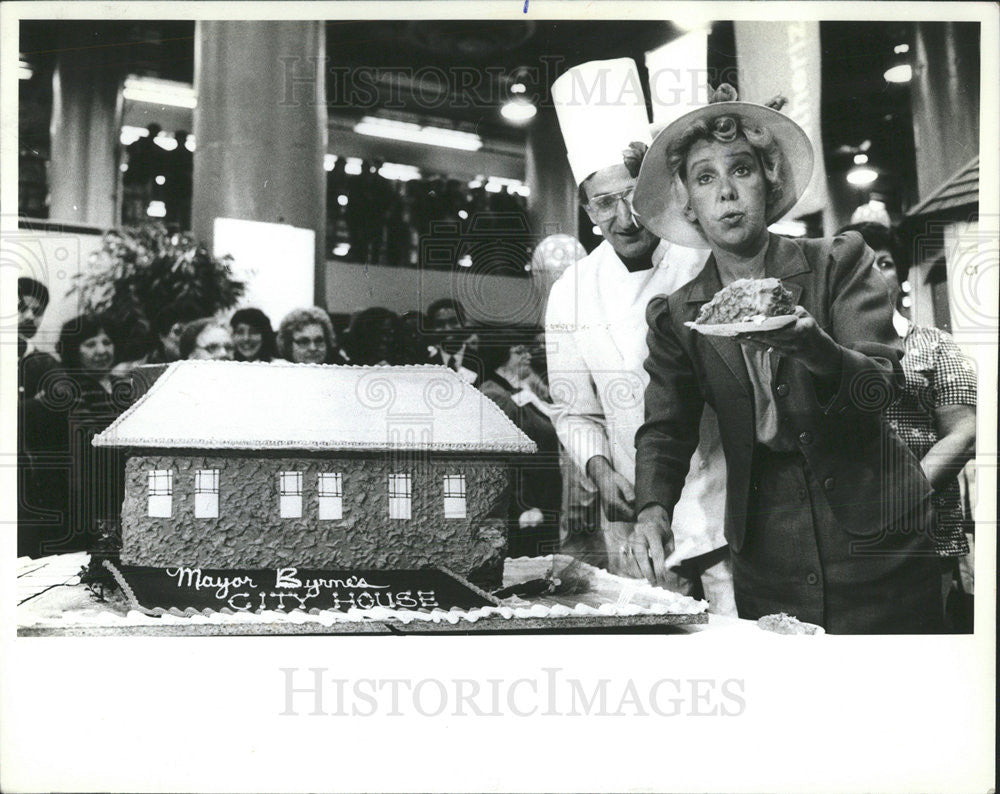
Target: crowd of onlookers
<point x="71" y="492"/>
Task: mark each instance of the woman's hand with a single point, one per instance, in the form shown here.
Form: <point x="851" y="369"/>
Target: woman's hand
<point x="803" y="340"/>
<point x="649" y="545"/>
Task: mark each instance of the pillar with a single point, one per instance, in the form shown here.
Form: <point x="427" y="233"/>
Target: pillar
<point x="84" y="130"/>
<point x="260" y="128"/>
<point x="945" y="98"/>
<point x="552" y="205"/>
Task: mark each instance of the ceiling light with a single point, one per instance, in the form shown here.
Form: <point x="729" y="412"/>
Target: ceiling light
<point x="341" y="249"/>
<point x="862" y="176"/>
<point x="160" y="179"/>
<point x="342" y="200"/>
<point x="901" y="73"/>
<point x="166" y="142"/>
<point x="159" y="92"/>
<point x="352" y="166"/>
<point x="24" y="70"/>
<point x="415" y="133"/>
<point x="401" y="173"/>
<point x="156" y="209"/>
<point x="901" y="49"/>
<point x="476" y="183"/>
<point x="518" y="111"/>
<point x="860" y="159"/>
<point x="329" y="161"/>
<point x="789" y="228"/>
<point x="465" y="261"/>
<point x="131" y="134"/>
<point x="463" y="214"/>
<point x="518" y="88"/>
<point x="189" y="143"/>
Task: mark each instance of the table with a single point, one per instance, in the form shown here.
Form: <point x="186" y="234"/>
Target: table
<point x="52" y="602"/>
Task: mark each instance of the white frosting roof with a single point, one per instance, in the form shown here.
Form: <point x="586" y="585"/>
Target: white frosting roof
<point x="250" y="405"/>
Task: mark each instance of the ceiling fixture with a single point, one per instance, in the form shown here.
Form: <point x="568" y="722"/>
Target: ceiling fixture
<point x="901" y="49"/>
<point x="399" y="172"/>
<point x="415" y="133"/>
<point x="789" y="228"/>
<point x="518" y="88"/>
<point x="156" y="209"/>
<point x="24" y="70"/>
<point x="900" y="73"/>
<point x="862" y="175"/>
<point x="860" y="159"/>
<point x="518" y="111"/>
<point x="159" y="92"/>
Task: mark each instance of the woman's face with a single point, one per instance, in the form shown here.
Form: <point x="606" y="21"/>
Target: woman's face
<point x="309" y="345"/>
<point x="520" y="360"/>
<point x="97" y="354"/>
<point x="727" y="195"/>
<point x="248" y="341"/>
<point x="213" y="344"/>
<point x="886" y="265"/>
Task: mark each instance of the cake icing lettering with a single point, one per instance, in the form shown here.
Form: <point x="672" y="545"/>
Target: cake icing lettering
<point x="193" y="577"/>
<point x="286" y="577"/>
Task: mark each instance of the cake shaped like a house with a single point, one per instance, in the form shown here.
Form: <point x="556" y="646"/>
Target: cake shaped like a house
<point x="254" y="465"/>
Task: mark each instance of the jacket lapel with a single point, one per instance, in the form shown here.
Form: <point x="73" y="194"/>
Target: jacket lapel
<point x="701" y="291"/>
<point x="784" y="260"/>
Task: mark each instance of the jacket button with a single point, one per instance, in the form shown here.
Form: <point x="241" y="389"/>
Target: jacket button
<point x="828" y="483"/>
<point x="782" y="389"/>
<point x="805" y="438"/>
<point x="812" y="578"/>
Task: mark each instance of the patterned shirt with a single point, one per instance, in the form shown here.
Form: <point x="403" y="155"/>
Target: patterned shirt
<point x="937" y="374"/>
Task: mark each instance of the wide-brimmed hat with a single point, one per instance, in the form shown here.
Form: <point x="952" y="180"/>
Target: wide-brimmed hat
<point x="660" y="195"/>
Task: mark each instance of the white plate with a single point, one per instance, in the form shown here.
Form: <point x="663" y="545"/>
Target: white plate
<point x="747" y="326"/>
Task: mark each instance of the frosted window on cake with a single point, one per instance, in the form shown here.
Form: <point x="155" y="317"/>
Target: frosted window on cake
<point x="290" y="494"/>
<point x="331" y="496"/>
<point x="454" y="496"/>
<point x="399" y="496"/>
<point x="161" y="493"/>
<point x="206" y="493"/>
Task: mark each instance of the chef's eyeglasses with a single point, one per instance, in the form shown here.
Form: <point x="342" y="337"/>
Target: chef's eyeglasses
<point x="602" y="208"/>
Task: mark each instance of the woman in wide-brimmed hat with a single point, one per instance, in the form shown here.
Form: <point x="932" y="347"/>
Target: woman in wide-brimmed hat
<point x="827" y="513"/>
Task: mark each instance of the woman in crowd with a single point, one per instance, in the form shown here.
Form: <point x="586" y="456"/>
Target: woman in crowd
<point x="372" y="337"/>
<point x="207" y="339"/>
<point x="306" y="336"/>
<point x="534" y="508"/>
<point x="81" y="402"/>
<point x="827" y="513"/>
<point x="253" y="336"/>
<point x="936" y="411"/>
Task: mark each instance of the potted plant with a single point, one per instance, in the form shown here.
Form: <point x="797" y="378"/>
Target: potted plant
<point x="140" y="271"/>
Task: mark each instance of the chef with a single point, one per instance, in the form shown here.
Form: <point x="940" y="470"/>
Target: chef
<point x="596" y="333"/>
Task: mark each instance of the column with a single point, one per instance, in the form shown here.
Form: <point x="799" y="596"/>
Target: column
<point x="552" y="205"/>
<point x="84" y="130"/>
<point x="260" y="128"/>
<point x="945" y="96"/>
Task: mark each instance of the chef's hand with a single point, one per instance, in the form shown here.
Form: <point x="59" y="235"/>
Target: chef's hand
<point x="614" y="490"/>
<point x="803" y="340"/>
<point x="650" y="543"/>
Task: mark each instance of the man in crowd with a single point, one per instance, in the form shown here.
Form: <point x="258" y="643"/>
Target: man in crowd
<point x="32" y="364"/>
<point x="596" y="333"/>
<point x="455" y="344"/>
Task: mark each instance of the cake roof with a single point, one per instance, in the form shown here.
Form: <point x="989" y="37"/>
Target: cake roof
<point x="314" y="407"/>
